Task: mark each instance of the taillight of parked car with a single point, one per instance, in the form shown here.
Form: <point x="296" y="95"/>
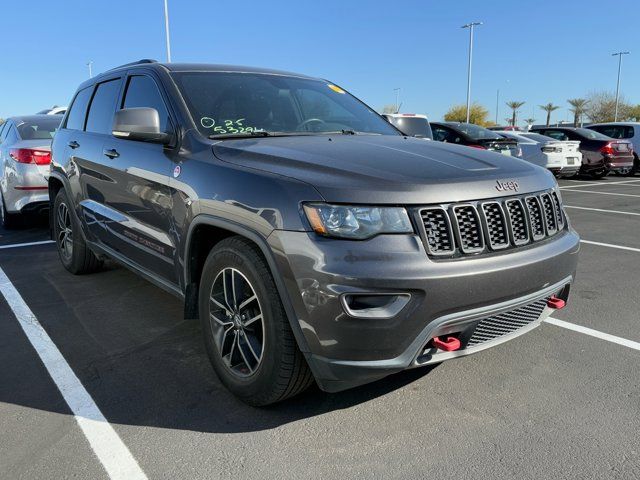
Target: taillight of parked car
<point x="608" y="149"/>
<point x="552" y="149"/>
<point x="30" y="155"/>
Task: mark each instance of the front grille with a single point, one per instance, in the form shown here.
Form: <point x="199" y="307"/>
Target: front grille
<point x="455" y="230"/>
<point x="497" y="326"/>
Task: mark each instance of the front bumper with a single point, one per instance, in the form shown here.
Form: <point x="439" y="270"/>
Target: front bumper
<point x="345" y="351"/>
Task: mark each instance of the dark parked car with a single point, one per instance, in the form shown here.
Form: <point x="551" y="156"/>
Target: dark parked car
<point x="600" y="154"/>
<point x="622" y="130"/>
<point x="474" y="136"/>
<point x="311" y="238"/>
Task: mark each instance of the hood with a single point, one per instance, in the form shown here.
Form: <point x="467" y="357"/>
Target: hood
<point x="386" y="169"/>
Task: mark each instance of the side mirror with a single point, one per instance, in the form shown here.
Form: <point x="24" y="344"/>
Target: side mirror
<point x="140" y="123"/>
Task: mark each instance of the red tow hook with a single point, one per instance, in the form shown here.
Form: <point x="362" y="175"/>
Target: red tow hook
<point x="449" y="345"/>
<point x="555" y="303"/>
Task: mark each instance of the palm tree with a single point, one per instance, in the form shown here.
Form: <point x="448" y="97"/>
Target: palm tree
<point x="579" y="108"/>
<point x="530" y="121"/>
<point x="549" y="107"/>
<point x="514" y="106"/>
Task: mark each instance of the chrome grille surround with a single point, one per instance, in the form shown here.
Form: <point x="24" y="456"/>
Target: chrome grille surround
<point x="469" y="228"/>
<point x="492" y="328"/>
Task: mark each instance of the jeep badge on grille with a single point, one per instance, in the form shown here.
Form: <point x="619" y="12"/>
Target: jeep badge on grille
<point x="503" y="186"/>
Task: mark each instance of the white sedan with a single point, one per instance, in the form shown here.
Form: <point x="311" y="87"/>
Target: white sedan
<point x="562" y="158"/>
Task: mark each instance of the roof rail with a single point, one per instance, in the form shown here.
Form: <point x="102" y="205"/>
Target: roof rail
<point x="138" y="62"/>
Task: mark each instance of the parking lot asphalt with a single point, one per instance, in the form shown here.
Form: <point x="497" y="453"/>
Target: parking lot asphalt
<point x="554" y="403"/>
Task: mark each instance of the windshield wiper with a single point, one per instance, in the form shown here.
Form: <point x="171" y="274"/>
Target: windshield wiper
<point x="222" y="136"/>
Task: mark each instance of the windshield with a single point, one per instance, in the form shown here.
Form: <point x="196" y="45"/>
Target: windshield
<point x="476" y="132"/>
<point x="224" y="103"/>
<point x="412" y="126"/>
<point x="592" y="134"/>
<point x="40" y="129"/>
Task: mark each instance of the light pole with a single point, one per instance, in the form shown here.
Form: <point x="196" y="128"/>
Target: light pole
<point x="166" y="29"/>
<point x="89" y="63"/>
<point x="470" y="26"/>
<point x="619" y="55"/>
<point x="397" y="90"/>
<point x="497" y="105"/>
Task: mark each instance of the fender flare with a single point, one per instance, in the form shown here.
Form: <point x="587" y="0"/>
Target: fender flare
<point x="261" y="242"/>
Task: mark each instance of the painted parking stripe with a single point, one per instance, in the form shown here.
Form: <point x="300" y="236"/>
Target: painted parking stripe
<point x="28" y="244"/>
<point x="601" y="210"/>
<point x="593" y="333"/>
<point x="602" y="193"/>
<point x="628" y="183"/>
<point x="610" y="245"/>
<point x="105" y="442"/>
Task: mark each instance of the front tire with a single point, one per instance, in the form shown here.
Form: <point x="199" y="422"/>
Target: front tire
<point x="73" y="251"/>
<point x="247" y="334"/>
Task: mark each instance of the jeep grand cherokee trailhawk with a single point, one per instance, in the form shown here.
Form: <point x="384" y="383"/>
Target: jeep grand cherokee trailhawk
<point x="311" y="238"/>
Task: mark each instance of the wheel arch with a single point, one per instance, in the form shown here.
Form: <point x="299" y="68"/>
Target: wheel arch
<point x="197" y="247"/>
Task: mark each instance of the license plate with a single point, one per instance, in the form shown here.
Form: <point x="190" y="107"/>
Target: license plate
<point x="572" y="161"/>
<point x="506" y="152"/>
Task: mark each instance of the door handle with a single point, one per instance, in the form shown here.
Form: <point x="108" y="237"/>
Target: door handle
<point x="73" y="144"/>
<point x="111" y="153"/>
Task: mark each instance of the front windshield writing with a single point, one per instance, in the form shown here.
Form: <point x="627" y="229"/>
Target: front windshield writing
<point x="230" y="103"/>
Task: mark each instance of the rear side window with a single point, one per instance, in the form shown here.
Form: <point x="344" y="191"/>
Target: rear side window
<point x="3" y="131"/>
<point x="103" y="105"/>
<point x="78" y="112"/>
<point x="142" y="91"/>
<point x="557" y="134"/>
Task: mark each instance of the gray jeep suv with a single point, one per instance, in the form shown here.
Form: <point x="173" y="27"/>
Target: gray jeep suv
<point x="310" y="237"/>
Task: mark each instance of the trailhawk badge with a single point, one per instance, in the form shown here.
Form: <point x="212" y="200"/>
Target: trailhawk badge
<point x="176" y="171"/>
<point x="503" y="186"/>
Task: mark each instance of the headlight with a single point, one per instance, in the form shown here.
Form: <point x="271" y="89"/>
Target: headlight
<point x="356" y="222"/>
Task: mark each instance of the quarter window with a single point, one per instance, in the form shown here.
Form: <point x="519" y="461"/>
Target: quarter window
<point x="142" y="91"/>
<point x="78" y="112"/>
<point x="103" y="104"/>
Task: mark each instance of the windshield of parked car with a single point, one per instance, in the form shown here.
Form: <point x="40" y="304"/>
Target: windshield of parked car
<point x="476" y="132"/>
<point x="412" y="126"/>
<point x="224" y="103"/>
<point x="38" y="129"/>
<point x="592" y="134"/>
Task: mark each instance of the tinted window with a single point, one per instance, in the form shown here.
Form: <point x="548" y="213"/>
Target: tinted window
<point x="223" y="103"/>
<point x="78" y="112"/>
<point x="476" y="132"/>
<point x="556" y="134"/>
<point x="142" y="91"/>
<point x="442" y="134"/>
<point x="41" y="128"/>
<point x="614" y="131"/>
<point x="103" y="105"/>
<point x="412" y="126"/>
<point x="536" y="137"/>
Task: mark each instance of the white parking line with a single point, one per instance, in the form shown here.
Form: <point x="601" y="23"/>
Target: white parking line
<point x="621" y="247"/>
<point x="606" y="182"/>
<point x="602" y="210"/>
<point x="594" y="333"/>
<point x="105" y="442"/>
<point x="628" y="183"/>
<point x="29" y="244"/>
<point x="602" y="193"/>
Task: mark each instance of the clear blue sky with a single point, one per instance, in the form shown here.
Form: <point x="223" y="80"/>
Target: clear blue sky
<point x="536" y="51"/>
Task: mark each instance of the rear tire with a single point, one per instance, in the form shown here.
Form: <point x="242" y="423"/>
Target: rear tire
<point x="246" y="331"/>
<point x="73" y="251"/>
<point x="9" y="220"/>
<point x="600" y="175"/>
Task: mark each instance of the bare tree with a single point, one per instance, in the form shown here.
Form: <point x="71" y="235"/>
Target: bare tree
<point x="579" y="109"/>
<point x="514" y="105"/>
<point x="389" y="109"/>
<point x="602" y="107"/>
<point x="549" y="107"/>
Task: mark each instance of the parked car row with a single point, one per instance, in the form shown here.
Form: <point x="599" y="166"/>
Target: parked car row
<point x="596" y="150"/>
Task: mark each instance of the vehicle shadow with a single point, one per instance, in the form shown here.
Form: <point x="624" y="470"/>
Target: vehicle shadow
<point x="32" y="227"/>
<point x="141" y="362"/>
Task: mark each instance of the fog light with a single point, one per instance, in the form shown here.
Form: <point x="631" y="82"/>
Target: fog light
<point x="374" y="305"/>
